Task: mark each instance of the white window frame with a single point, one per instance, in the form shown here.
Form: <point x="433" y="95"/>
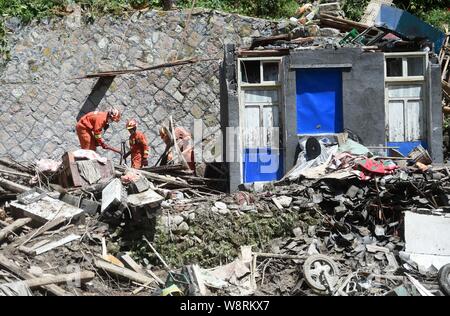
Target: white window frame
<point x="404" y="57"/>
<point x="262" y="83"/>
<point x="407" y="80"/>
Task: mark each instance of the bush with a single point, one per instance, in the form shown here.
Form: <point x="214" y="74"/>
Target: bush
<point x="354" y="9"/>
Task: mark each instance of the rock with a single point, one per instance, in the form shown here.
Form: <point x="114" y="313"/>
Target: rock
<point x="220" y="205"/>
<point x="329" y="32"/>
<point x="183" y="227"/>
<point x="311" y="231"/>
<point x="247" y="208"/>
<point x="176" y="220"/>
<point x="36" y="271"/>
<point x="313" y="30"/>
<point x="285" y="201"/>
<point x="317" y="198"/>
<point x="297" y="232"/>
<point x="191" y="216"/>
<point x="13" y="24"/>
<point x="223" y="211"/>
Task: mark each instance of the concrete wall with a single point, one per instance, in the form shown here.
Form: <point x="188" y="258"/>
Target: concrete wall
<point x="41" y="97"/>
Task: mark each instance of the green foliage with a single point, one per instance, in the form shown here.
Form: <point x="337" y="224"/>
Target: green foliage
<point x="257" y="8"/>
<point x="354" y="9"/>
<point x="431" y="11"/>
<point x="222" y="237"/>
<point x="437" y="17"/>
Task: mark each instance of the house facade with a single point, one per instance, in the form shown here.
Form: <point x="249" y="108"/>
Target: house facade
<point x="273" y="99"/>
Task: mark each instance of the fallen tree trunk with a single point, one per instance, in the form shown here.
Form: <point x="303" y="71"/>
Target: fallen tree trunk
<point x="13" y="227"/>
<point x="11" y="267"/>
<point x="123" y="272"/>
<point x="12" y="186"/>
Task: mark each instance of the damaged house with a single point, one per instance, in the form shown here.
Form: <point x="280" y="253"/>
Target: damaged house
<point x="379" y="84"/>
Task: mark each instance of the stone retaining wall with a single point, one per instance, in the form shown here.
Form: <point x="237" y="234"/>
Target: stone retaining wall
<point x="41" y="97"/>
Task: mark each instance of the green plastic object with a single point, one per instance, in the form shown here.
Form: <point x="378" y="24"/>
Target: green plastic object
<point x="349" y="36"/>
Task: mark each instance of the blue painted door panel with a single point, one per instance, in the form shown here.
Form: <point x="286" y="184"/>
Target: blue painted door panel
<point x="319" y="101"/>
<point x="262" y="164"/>
<point x="406" y="147"/>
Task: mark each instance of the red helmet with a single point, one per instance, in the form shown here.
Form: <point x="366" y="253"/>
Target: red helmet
<point x="114" y="114"/>
<point x="131" y="124"/>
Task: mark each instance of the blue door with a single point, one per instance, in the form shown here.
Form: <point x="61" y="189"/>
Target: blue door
<point x="319" y="101"/>
<point x="262" y="164"/>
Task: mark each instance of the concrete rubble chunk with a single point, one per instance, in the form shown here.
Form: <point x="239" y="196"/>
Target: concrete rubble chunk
<point x="46" y="210"/>
<point x="112" y="195"/>
<point x="285" y="201"/>
<point x="149" y="198"/>
<point x="139" y="185"/>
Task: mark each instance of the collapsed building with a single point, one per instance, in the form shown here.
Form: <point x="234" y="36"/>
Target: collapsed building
<point x="381" y="83"/>
<point x="357" y="175"/>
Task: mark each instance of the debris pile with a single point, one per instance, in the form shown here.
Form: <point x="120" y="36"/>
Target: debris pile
<point x="146" y="233"/>
<point x="324" y="26"/>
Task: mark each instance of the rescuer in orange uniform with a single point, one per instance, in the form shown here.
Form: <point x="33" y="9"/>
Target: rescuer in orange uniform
<point x="138" y="145"/>
<point x="90" y="128"/>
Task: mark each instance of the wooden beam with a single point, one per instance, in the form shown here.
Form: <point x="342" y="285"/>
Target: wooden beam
<point x="123" y="272"/>
<point x="13" y="227"/>
<point x="12" y="186"/>
<point x="133" y="264"/>
<point x="13" y="165"/>
<point x="83" y="276"/>
<point x="7" y="264"/>
<point x="37" y="232"/>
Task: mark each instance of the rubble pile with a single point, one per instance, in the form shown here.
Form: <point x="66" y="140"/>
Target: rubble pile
<point x="341" y="231"/>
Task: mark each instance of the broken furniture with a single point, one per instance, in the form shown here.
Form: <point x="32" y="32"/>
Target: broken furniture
<point x="78" y="172"/>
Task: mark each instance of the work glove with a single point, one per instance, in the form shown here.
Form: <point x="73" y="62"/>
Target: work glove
<point x="104" y="145"/>
<point x="144" y="162"/>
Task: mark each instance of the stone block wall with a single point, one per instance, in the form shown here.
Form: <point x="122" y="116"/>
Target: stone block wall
<point x="41" y="97"/>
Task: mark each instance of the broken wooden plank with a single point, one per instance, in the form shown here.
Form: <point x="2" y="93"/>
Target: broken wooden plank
<point x="39" y="231"/>
<point x="56" y="244"/>
<point x="14" y="165"/>
<point x="16" y="173"/>
<point x="132" y="264"/>
<point x="278" y="256"/>
<point x="7" y="264"/>
<point x="132" y="71"/>
<point x="13" y="227"/>
<point x="12" y="186"/>
<point x="123" y="272"/>
<point x="83" y="276"/>
<point x="263" y="41"/>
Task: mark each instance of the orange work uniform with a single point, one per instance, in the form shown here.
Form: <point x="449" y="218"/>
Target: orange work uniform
<point x="139" y="149"/>
<point x="89" y="129"/>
